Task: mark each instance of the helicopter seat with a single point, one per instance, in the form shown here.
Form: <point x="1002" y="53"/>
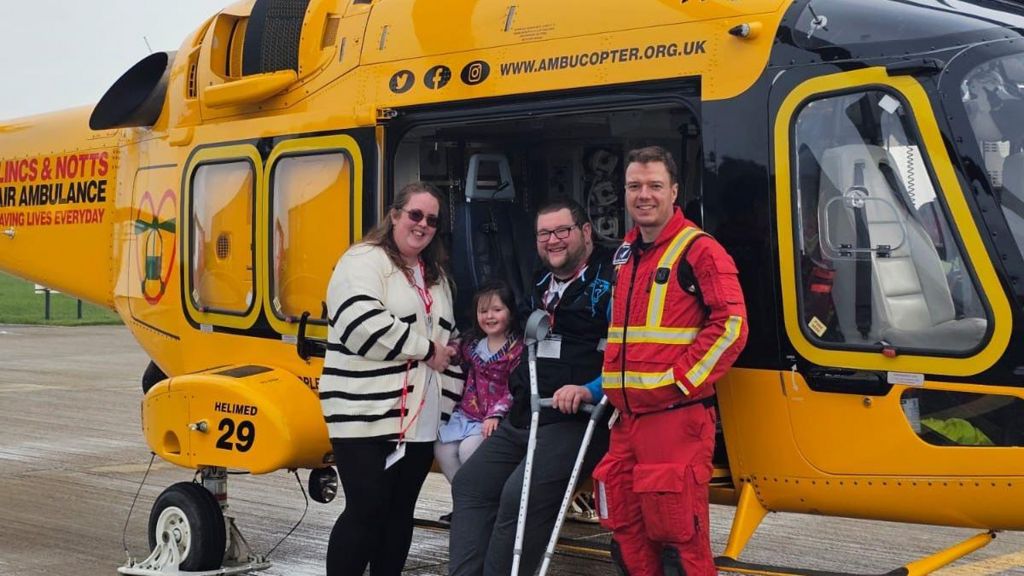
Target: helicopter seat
<point x="493" y="237"/>
<point x="890" y="284"/>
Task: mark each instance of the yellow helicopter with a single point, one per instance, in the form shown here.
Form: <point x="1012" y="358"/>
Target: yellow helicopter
<point x="862" y="160"/>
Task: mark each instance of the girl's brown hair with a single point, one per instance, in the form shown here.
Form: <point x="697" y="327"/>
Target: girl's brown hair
<point x="504" y="293"/>
<point x="434" y="256"/>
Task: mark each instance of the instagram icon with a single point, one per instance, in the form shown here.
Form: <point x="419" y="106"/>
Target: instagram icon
<point x="475" y="72"/>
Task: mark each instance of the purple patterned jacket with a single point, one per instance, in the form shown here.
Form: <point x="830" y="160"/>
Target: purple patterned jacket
<point x="486" y="393"/>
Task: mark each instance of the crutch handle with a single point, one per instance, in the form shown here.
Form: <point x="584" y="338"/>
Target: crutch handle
<point x="537" y="327"/>
<point x="549" y="403"/>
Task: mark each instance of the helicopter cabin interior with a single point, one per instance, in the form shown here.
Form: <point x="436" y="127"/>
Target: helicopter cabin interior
<point x="497" y="173"/>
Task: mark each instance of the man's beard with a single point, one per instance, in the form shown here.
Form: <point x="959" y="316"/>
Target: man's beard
<point x="573" y="260"/>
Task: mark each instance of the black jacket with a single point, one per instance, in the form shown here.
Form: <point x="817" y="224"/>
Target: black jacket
<point x="581" y="319"/>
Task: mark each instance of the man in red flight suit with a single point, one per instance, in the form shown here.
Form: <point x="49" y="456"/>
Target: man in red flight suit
<point x="678" y="323"/>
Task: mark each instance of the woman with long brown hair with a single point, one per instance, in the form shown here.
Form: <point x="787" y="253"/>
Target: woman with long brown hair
<point x="386" y="384"/>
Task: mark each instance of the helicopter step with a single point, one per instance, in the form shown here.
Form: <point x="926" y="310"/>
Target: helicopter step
<point x="925" y="565"/>
<point x="726" y="564"/>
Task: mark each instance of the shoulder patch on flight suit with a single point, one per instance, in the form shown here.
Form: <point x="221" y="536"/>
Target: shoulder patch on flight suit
<point x="621" y="255"/>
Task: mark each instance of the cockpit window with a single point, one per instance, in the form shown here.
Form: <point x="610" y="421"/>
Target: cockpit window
<point x="879" y="262"/>
<point x="993" y="96"/>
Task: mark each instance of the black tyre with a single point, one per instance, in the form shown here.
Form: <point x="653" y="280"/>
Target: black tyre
<point x="323" y="484"/>
<point x="190" y="518"/>
<point x="152" y="376"/>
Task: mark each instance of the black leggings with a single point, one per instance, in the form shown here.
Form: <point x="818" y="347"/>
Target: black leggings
<point x="376" y="526"/>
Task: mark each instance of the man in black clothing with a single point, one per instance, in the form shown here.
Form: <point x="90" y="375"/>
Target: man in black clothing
<point x="575" y="289"/>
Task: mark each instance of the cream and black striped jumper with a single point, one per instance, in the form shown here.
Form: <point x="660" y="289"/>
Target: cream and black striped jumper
<point x="376" y="388"/>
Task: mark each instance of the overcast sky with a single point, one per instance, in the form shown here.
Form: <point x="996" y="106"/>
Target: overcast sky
<point x="57" y="54"/>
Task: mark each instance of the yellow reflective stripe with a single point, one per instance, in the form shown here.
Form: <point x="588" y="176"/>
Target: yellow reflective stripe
<point x="656" y="304"/>
<point x="699" y="372"/>
<point x="657" y="298"/>
<point x="642" y="380"/>
<point x="645" y="335"/>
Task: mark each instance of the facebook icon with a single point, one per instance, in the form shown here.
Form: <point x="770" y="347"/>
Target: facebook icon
<point x="437" y="77"/>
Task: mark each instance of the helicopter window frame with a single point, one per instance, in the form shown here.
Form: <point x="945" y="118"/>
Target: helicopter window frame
<point x="205" y="316"/>
<point x="347" y="165"/>
<point x="903" y="206"/>
<point x="193" y="249"/>
<point x="348" y="219"/>
<point x="932" y="140"/>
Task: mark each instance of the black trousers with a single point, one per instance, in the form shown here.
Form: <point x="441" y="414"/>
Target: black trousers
<point x="487" y="489"/>
<point x="376" y="527"/>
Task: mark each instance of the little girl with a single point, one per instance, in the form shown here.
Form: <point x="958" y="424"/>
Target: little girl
<point x="488" y="354"/>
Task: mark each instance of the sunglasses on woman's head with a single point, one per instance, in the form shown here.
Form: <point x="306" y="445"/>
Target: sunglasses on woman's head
<point x="417" y="215"/>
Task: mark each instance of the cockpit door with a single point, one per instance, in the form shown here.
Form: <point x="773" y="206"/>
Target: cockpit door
<point x="886" y="285"/>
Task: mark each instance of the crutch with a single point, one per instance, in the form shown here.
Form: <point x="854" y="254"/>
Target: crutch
<point x="536" y="330"/>
<point x="595" y="414"/>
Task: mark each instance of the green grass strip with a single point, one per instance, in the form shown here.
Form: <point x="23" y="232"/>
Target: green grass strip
<point x="19" y="304"/>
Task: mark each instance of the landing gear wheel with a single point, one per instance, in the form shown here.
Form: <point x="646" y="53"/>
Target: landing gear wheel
<point x="186" y="519"/>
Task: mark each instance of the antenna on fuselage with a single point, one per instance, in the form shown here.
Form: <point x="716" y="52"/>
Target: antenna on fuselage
<point x="148" y="47"/>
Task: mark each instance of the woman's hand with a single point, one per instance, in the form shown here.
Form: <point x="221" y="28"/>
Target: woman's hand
<point x="453" y="351"/>
<point x="441" y="358"/>
<point x="489" y="426"/>
<point x="568" y="398"/>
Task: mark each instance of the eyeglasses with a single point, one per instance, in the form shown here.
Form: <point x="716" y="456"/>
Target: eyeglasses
<point x="562" y="232"/>
<point x="417" y="215"/>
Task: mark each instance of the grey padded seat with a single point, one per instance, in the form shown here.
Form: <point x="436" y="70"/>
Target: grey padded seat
<point x="911" y="304"/>
<point x="493" y="238"/>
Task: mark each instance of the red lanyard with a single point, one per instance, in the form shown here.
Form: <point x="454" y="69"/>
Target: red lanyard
<point x="422" y="291"/>
<point x="402" y="428"/>
<point x="428" y="302"/>
<point x="558" y="296"/>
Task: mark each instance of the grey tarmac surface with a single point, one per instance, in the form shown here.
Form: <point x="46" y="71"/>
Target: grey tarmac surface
<point x="72" y="457"/>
